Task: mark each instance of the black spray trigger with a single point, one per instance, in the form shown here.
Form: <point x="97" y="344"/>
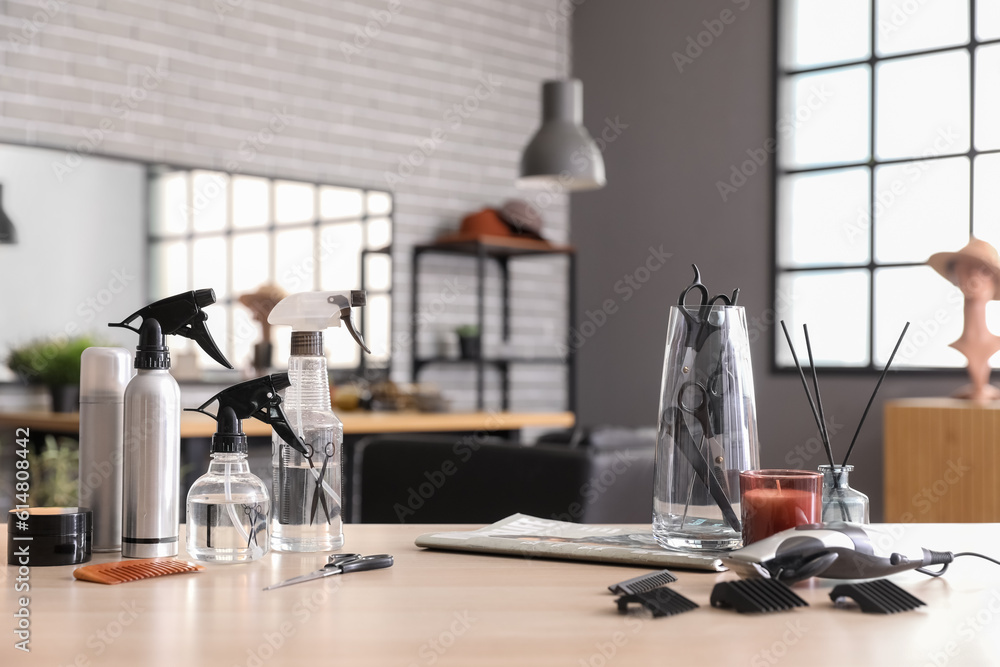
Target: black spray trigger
<point x="181" y="315"/>
<point x="259" y="398"/>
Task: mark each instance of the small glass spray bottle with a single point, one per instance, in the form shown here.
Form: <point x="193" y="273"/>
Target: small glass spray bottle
<point x="227" y="508"/>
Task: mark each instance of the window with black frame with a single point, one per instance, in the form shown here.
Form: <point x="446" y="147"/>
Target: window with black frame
<point x="236" y="233"/>
<point x="888" y="122"/>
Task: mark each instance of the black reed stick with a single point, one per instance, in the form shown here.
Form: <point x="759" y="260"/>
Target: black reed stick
<point x="872" y="399"/>
<point x="819" y="399"/>
<point x="805" y="385"/>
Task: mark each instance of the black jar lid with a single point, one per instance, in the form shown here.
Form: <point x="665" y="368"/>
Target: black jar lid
<point x="50" y="521"/>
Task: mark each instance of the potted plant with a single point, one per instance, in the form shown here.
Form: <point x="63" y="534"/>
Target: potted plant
<point x="469" y="341"/>
<point x="55" y="364"/>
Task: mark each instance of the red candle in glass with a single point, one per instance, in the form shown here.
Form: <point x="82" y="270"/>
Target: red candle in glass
<point x="776" y="500"/>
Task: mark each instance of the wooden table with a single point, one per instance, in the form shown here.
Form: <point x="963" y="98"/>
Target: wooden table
<point x="438" y="608"/>
<point x="199" y="426"/>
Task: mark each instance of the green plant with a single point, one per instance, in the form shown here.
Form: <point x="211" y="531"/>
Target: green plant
<point x="50" y="362"/>
<point x="54" y="473"/>
<point x="467" y="331"/>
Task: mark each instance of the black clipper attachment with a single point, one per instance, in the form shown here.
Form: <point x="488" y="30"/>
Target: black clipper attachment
<point x="659" y="601"/>
<point x="259" y="398"/>
<point x="643" y="583"/>
<point x="880" y="596"/>
<point x="749" y="596"/>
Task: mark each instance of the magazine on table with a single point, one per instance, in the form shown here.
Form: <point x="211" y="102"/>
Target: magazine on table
<point x="533" y="537"/>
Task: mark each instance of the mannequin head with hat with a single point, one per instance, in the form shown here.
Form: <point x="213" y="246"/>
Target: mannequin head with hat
<point x="975" y="269"/>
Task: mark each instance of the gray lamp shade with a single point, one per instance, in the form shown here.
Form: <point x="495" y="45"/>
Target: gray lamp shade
<point x="562" y="153"/>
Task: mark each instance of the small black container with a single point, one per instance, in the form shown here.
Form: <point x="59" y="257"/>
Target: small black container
<point x="58" y="536"/>
<point x="470" y="346"/>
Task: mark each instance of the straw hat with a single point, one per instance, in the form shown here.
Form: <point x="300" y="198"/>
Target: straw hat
<point x="980" y="251"/>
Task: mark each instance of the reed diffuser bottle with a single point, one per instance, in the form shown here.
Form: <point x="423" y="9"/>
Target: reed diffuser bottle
<point x="840" y="501"/>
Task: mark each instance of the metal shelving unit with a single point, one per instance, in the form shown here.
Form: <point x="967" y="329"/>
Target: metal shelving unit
<point x="502" y="250"/>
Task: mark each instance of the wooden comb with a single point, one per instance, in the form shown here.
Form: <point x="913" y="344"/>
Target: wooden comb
<point x="121" y="572"/>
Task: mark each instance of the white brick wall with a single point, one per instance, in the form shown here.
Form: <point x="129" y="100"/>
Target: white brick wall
<point x="357" y="108"/>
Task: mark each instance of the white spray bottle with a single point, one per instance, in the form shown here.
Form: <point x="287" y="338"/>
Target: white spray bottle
<point x="306" y="491"/>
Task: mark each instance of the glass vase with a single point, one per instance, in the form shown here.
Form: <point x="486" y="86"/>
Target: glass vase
<point x="707" y="431"/>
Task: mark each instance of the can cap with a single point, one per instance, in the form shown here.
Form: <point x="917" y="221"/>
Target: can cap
<point x="104" y="373"/>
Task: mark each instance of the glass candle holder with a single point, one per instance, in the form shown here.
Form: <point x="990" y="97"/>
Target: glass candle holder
<point x="776" y="500"/>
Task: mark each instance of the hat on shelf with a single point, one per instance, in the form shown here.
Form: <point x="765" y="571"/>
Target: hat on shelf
<point x="515" y="220"/>
<point x="976" y="250"/>
<point x="522" y="218"/>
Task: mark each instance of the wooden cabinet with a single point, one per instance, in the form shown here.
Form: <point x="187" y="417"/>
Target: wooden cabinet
<point x="942" y="461"/>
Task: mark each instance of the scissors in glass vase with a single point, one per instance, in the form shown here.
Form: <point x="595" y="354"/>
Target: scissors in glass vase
<point x="697" y="317"/>
<point x="340" y="564"/>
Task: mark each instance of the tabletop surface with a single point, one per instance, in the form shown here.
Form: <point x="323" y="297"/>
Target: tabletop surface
<point x="194" y="425"/>
<point x="441" y="608"/>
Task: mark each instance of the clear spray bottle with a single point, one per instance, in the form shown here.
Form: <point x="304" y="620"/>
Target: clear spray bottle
<point x="228" y="507"/>
<point x="307" y="513"/>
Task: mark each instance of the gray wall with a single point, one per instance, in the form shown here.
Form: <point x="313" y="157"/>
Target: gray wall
<point x="686" y="129"/>
<point x="359" y="86"/>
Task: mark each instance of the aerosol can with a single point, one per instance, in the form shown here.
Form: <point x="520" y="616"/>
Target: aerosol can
<point x="152" y="437"/>
<point x="306" y="489"/>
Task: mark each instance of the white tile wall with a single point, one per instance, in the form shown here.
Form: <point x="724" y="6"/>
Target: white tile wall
<point x="190" y="82"/>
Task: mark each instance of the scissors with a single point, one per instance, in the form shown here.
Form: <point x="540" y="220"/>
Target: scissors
<point x="253" y="512"/>
<point x="340" y="564"/>
<point x="704" y="403"/>
<point x="698" y="317"/>
<point x="686" y="445"/>
<point x="319" y="496"/>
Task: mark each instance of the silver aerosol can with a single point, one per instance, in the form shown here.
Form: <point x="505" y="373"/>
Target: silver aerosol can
<point x="104" y="373"/>
<point x="152" y="437"/>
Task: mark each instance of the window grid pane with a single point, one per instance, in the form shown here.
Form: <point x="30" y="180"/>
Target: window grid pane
<point x="922" y="199"/>
<point x="235" y="234"/>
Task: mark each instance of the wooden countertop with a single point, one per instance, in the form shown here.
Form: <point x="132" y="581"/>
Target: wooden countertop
<point x="440" y="608"/>
<point x="194" y="425"/>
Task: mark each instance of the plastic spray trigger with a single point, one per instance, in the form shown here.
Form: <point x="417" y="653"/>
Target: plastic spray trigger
<point x="258" y="398"/>
<point x="181" y="315"/>
<point x="358" y="298"/>
<point x="311" y="311"/>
